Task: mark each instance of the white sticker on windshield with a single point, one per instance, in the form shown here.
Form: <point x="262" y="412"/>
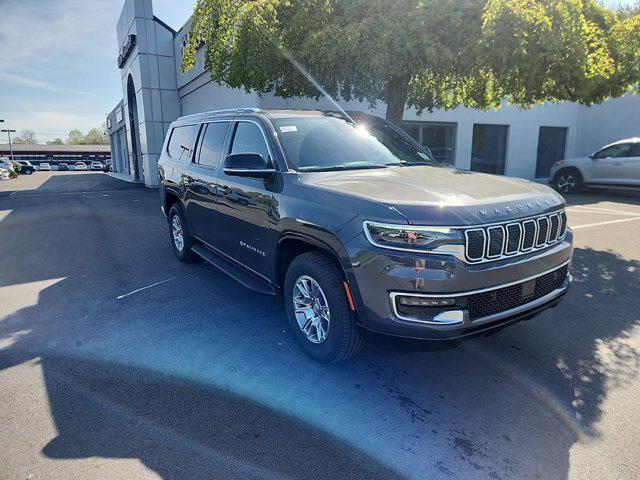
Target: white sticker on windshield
<point x="288" y="128"/>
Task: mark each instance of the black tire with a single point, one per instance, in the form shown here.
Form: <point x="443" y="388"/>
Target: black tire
<point x="185" y="254"/>
<point x="568" y="180"/>
<point x="343" y="339"/>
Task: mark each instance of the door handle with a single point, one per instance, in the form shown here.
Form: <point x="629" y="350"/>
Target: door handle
<point x="617" y="164"/>
<point x="224" y="189"/>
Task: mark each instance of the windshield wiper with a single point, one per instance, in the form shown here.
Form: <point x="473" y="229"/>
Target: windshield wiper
<point x="342" y="168"/>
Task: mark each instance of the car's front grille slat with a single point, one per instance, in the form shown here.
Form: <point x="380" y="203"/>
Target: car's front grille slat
<point x="498" y="241"/>
<point x="491" y="302"/>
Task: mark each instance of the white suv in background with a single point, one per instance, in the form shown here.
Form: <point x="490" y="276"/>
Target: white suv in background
<point x="615" y="166"/>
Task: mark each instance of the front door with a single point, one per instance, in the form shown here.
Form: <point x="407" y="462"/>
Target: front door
<point x="201" y="182"/>
<point x="245" y="203"/>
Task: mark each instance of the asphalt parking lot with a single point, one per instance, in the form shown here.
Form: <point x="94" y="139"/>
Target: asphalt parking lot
<point x="117" y="361"/>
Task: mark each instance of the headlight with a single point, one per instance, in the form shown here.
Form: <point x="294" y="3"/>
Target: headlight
<point x="407" y="237"/>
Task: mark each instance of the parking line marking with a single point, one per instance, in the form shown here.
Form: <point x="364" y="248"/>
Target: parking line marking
<point x="603" y="210"/>
<point x="119" y="297"/>
<point x="577" y="227"/>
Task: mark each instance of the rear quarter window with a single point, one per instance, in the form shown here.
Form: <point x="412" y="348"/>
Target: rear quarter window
<point x="180" y="142"/>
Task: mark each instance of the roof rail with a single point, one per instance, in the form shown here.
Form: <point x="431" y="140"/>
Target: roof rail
<point x="234" y="110"/>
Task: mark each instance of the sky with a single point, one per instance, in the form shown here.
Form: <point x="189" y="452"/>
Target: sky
<point x="58" y="61"/>
<point x="58" y="67"/>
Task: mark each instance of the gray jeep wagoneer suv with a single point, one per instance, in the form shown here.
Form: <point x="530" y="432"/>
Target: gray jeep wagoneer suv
<point x="358" y="227"/>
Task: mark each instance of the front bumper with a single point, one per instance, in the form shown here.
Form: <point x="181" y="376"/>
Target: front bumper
<point x="383" y="276"/>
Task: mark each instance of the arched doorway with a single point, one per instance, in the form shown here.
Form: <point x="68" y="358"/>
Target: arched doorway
<point x="134" y="130"/>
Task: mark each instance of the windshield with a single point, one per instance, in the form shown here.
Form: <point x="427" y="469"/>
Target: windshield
<point x="330" y="143"/>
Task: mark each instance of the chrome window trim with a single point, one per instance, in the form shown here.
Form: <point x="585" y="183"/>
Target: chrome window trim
<point x="495" y="316"/>
<point x="504" y="236"/>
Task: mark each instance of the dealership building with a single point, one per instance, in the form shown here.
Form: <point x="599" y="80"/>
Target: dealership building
<point x="509" y="141"/>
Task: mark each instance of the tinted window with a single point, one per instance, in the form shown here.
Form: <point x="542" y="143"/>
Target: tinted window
<point x="249" y="139"/>
<point x="551" y="148"/>
<point x="635" y="150"/>
<point x="212" y="144"/>
<point x="615" y="151"/>
<point x="489" y="148"/>
<point x="179" y="146"/>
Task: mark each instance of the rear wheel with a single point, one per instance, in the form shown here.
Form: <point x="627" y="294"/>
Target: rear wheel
<point x="318" y="309"/>
<point x="181" y="240"/>
<point x="568" y="180"/>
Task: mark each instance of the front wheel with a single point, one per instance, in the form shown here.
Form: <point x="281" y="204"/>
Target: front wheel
<point x="568" y="181"/>
<point x="318" y="309"/>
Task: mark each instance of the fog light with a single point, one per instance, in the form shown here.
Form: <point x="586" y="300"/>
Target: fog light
<point x="427" y="302"/>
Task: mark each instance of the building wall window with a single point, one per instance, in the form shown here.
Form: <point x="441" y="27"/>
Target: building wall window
<point x="440" y="138"/>
<point x="489" y="148"/>
<point x="552" y="142"/>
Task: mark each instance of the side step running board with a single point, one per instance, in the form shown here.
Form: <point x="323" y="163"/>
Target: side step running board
<point x="238" y="274"/>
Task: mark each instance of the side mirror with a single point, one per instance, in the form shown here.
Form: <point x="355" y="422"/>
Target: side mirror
<point x="247" y="165"/>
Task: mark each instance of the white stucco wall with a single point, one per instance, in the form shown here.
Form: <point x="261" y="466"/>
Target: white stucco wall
<point x="615" y="119"/>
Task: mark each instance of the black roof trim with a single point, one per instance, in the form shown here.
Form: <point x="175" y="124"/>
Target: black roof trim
<point x="165" y="25"/>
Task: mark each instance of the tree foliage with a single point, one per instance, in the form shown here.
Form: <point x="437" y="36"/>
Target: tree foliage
<point x="75" y="137"/>
<point x="26" y="137"/>
<point x="95" y="136"/>
<point x="426" y="53"/>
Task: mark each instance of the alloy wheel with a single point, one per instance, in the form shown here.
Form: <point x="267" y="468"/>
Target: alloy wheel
<point x="177" y="233"/>
<point x="311" y="309"/>
<point x="566" y="182"/>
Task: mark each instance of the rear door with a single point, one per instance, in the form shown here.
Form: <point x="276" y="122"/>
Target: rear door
<point x="245" y="203"/>
<point x="632" y="166"/>
<point x="607" y="165"/>
<point x="200" y="181"/>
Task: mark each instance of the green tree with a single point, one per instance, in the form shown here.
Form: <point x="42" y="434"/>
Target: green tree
<point x="26" y="137"/>
<point x="96" y="136"/>
<point x="55" y="141"/>
<point x="425" y="53"/>
<point x="75" y="137"/>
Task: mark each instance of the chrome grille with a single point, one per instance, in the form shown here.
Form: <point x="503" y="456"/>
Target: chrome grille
<point x="497" y="241"/>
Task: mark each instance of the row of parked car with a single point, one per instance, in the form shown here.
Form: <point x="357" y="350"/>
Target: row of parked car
<point x="25" y="167"/>
<point x="63" y="166"/>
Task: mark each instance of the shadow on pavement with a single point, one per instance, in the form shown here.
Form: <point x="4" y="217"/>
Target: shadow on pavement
<point x="594" y="196"/>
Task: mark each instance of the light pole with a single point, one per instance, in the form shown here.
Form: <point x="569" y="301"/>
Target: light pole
<point x="9" y="132"/>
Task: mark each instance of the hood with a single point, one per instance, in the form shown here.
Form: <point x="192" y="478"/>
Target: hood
<point x="442" y="196"/>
